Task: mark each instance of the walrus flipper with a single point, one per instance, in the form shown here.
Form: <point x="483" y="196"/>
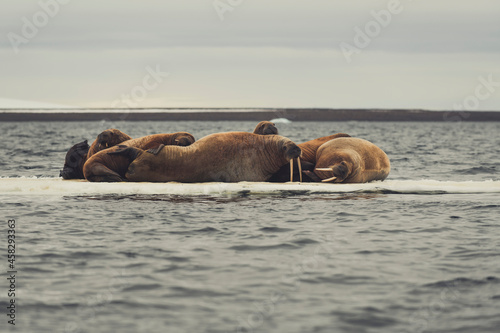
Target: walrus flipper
<point x="156" y="150"/>
<point x="101" y="173"/>
<point x="130" y="152"/>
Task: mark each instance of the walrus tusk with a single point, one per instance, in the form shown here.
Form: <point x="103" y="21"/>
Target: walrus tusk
<point x="324" y="169"/>
<point x="291" y="170"/>
<point x="300" y="169"/>
<point x="329" y="179"/>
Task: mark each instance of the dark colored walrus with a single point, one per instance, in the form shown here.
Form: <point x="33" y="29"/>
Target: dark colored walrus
<point x="74" y="161"/>
<point x="265" y="128"/>
<point x="106" y="167"/>
<point x="220" y="157"/>
<point x="81" y="152"/>
<point x="307" y="160"/>
<point x="350" y="160"/>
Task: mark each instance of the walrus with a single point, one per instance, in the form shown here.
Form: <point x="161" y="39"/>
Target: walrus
<point x="106" y="167"/>
<point x="265" y="128"/>
<point x="307" y="160"/>
<point x="74" y="161"/>
<point x="350" y="160"/>
<point x="219" y="157"/>
<point x="81" y="152"/>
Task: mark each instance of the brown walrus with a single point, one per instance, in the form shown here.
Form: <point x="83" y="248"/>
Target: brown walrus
<point x="350" y="160"/>
<point x="265" y="128"/>
<point x="220" y="157"/>
<point x="307" y="160"/>
<point x="106" y="167"/>
<point x="81" y="152"/>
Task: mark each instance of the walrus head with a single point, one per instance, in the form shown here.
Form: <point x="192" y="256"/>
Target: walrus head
<point x="73" y="163"/>
<point x="184" y="139"/>
<point x="291" y="150"/>
<point x="265" y="128"/>
<point x="111" y="137"/>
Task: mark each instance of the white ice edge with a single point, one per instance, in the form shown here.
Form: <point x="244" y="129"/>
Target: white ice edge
<point x="58" y="186"/>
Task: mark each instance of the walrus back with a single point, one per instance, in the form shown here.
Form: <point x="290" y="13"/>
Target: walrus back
<point x="227" y="157"/>
<point x="309" y="148"/>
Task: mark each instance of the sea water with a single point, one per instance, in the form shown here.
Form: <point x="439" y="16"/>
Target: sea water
<point x="419" y="252"/>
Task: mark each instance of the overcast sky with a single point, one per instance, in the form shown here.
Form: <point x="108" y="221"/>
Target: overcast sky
<point x="252" y="53"/>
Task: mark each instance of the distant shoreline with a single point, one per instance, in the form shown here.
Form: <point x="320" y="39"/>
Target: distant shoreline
<point x="244" y="114"/>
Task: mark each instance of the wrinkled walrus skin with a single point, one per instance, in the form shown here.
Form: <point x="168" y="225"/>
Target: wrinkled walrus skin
<point x="220" y="157"/>
<point x="106" y="167"/>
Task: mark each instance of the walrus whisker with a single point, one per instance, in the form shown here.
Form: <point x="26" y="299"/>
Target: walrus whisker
<point x="329" y="180"/>
<point x="291" y="170"/>
<point x="323" y="169"/>
<point x="300" y="169"/>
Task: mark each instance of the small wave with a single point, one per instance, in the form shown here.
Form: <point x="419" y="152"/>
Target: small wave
<point x="275" y="229"/>
<point x="196" y="231"/>
<point x="365" y="319"/>
<point x="484" y="207"/>
<point x="281" y="121"/>
<point x="143" y="287"/>
<point x="262" y="247"/>
<point x="191" y="292"/>
<point x="305" y="241"/>
<point x="27" y="269"/>
<point x="168" y="269"/>
<point x="478" y="170"/>
<point x="462" y="282"/>
<point x="177" y="259"/>
<point x="49" y="255"/>
<point x="432" y="230"/>
<point x="340" y="279"/>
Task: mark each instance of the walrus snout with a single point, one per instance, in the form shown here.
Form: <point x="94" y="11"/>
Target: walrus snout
<point x="104" y="138"/>
<point x="64" y="173"/>
<point x="293" y="151"/>
<point x="341" y="170"/>
<point x="335" y="173"/>
<point x="270" y="129"/>
<point x="70" y="173"/>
